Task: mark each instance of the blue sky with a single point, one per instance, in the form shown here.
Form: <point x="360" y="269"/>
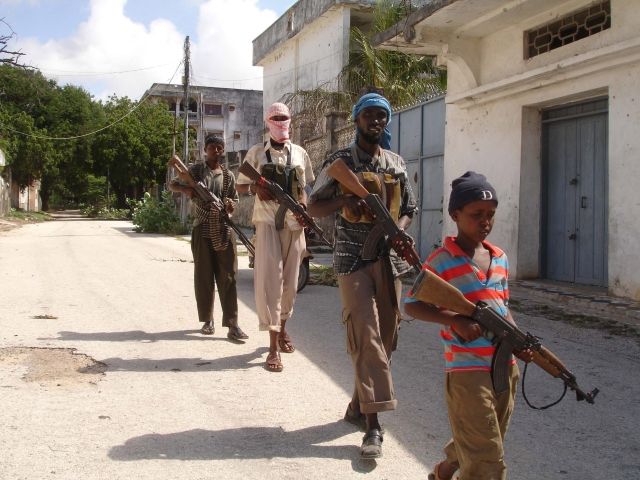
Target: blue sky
<point x="123" y="46"/>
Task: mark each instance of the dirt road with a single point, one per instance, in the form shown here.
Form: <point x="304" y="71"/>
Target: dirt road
<point x="104" y="375"/>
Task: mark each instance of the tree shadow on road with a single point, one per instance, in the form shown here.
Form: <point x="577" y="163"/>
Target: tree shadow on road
<point x="233" y="362"/>
<point x="243" y="444"/>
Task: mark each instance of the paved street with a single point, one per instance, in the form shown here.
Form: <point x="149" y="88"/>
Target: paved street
<point x="144" y="395"/>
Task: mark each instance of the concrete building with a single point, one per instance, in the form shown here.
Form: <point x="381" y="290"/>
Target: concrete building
<point x="308" y="46"/>
<point x="232" y="113"/>
<point x="543" y="97"/>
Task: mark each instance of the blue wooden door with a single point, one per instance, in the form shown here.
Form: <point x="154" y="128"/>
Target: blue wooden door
<point x="417" y="134"/>
<point x="574" y="200"/>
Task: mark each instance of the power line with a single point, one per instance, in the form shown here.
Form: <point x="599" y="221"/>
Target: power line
<point x="71" y="73"/>
<point x="75" y="137"/>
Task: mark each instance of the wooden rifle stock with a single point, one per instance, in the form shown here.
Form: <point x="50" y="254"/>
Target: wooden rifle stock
<point x="339" y="171"/>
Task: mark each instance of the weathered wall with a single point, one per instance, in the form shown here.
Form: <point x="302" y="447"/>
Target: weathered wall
<point x="312" y="58"/>
<point x="5" y="200"/>
<point x="495" y="128"/>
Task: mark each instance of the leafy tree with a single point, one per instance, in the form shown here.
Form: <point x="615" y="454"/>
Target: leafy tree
<point x="404" y="78"/>
<point x="72" y="115"/>
<point x="133" y="151"/>
<point x="27" y="153"/>
<point x="26" y="91"/>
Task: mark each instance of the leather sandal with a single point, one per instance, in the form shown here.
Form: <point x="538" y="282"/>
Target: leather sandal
<point x="207" y="329"/>
<point x="274" y="363"/>
<point x="371" y="444"/>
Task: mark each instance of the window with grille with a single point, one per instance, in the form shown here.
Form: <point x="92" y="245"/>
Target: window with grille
<point x="213" y="109"/>
<point x="571" y="28"/>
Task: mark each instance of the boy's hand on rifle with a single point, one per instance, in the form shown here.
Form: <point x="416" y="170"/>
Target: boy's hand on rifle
<point x="466" y="328"/>
<point x="525" y="355"/>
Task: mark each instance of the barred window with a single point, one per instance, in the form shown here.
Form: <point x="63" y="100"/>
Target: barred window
<point x="573" y="27"/>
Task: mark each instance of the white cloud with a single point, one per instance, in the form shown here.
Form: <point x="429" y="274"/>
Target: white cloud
<point x="109" y="42"/>
<point x="224" y="51"/>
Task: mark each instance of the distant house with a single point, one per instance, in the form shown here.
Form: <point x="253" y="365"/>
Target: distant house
<point x="308" y="46"/>
<point x="231" y="113"/>
<point x="543" y="97"/>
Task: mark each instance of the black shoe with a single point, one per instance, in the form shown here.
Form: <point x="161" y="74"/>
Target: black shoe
<point x="356" y="418"/>
<point x="372" y="444"/>
<point x="235" y="333"/>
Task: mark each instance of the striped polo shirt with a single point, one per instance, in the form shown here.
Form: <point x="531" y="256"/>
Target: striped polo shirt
<point x="452" y="264"/>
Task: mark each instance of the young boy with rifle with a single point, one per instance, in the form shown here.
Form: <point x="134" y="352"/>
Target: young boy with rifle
<point x="478" y="416"/>
<point x="214" y="256"/>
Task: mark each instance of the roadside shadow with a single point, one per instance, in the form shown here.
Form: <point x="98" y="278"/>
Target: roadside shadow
<point x="234" y="362"/>
<point x="243" y="444"/>
<point x="133" y="336"/>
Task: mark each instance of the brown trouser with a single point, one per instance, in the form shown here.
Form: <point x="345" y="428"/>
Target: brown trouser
<point x="213" y="268"/>
<point x="370" y="315"/>
<point x="479" y="420"/>
<point x="276" y="268"/>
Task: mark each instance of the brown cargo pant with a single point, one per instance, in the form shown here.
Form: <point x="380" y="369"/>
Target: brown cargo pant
<point x="211" y="268"/>
<point x="370" y="316"/>
<point x="479" y="420"/>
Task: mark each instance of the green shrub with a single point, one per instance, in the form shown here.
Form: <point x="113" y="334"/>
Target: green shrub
<point x="105" y="213"/>
<point x="153" y="216"/>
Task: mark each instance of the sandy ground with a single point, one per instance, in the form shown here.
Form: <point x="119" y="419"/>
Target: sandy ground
<point x="104" y="375"/>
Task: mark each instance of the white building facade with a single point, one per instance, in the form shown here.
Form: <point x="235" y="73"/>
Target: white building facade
<point x="544" y="98"/>
<point x="234" y="114"/>
<point x="308" y="46"/>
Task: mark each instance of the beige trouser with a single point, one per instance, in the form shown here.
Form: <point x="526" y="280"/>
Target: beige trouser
<point x="370" y="316"/>
<point x="479" y="420"/>
<point x="276" y="267"/>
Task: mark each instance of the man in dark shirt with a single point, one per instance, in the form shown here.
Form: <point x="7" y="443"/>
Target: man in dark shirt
<point x="370" y="304"/>
<point x="212" y="245"/>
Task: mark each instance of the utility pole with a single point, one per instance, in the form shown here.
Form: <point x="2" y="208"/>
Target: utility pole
<point x="185" y="82"/>
<point x="185" y="102"/>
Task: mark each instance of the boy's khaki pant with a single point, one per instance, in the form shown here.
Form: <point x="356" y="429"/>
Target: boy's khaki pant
<point x="479" y="422"/>
<point x="276" y="268"/>
<point x="370" y="316"/>
<point x="213" y="268"/>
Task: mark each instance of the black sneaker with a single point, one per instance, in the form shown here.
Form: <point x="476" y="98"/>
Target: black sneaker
<point x="235" y="333"/>
<point x="371" y="444"/>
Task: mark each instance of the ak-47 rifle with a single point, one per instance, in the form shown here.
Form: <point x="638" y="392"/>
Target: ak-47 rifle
<point x="508" y="338"/>
<point x="284" y="199"/>
<point x="385" y="224"/>
<point x="209" y="198"/>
